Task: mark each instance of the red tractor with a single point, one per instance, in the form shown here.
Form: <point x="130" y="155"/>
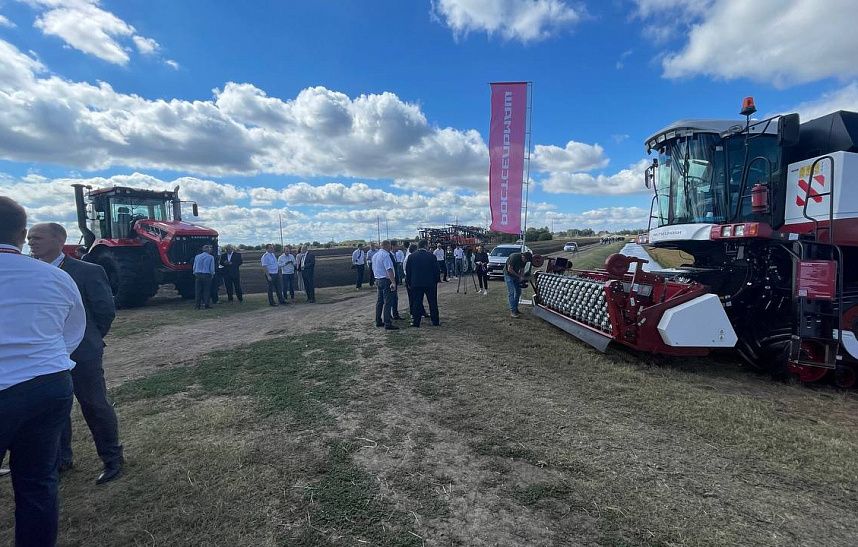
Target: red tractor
<point x="140" y="239"/>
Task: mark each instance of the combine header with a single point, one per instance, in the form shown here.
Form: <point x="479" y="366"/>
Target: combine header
<point x="766" y="216"/>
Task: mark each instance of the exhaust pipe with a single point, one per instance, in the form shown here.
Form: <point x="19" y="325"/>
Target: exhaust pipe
<point x="177" y="204"/>
<point x="88" y="236"/>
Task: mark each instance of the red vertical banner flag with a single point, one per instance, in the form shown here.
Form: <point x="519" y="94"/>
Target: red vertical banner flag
<point x="506" y="155"/>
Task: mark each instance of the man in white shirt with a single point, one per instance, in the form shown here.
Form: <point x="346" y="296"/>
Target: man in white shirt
<point x="385" y="280"/>
<point x="369" y="254"/>
<point x="41" y="324"/>
<point x="439" y="257"/>
<point x="459" y="256"/>
<point x="398" y="259"/>
<point x="271" y="268"/>
<point x="359" y="264"/>
<point x="287" y="264"/>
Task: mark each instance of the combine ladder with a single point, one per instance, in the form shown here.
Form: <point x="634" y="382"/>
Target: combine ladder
<point x="816" y="339"/>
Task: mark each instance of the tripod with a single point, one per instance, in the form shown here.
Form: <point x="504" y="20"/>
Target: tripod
<point x="459" y="284"/>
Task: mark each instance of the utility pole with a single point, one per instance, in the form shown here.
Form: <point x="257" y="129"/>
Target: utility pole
<point x="378" y="225"/>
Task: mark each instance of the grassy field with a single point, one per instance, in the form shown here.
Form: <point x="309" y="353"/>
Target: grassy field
<point x="486" y="431"/>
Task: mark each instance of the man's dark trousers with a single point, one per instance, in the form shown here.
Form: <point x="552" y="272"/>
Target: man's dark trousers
<point x="384" y="303"/>
<point x="371" y="275"/>
<point x="216" y="282"/>
<point x="233" y="284"/>
<point x="203" y="289"/>
<point x="431" y="294"/>
<point x="360" y="271"/>
<point x="32" y="416"/>
<point x="275" y="285"/>
<point x="91" y="393"/>
<point x="309" y="288"/>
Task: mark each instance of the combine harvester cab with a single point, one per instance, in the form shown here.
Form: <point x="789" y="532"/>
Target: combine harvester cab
<point x="140" y="239"/>
<point x="765" y="217"/>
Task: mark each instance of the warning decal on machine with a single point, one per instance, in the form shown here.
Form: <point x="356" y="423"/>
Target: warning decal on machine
<point x="816" y="279"/>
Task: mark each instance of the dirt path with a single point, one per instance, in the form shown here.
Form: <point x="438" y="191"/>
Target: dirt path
<point x="132" y="357"/>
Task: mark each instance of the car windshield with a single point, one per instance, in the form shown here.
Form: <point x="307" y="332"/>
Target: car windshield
<point x="504" y="251"/>
<point x="699" y="181"/>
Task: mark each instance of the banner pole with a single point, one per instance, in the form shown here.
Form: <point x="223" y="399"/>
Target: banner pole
<point x="527" y="160"/>
<point x="280" y="217"/>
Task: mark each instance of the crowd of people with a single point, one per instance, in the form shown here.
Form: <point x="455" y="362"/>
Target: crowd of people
<point x="284" y="274"/>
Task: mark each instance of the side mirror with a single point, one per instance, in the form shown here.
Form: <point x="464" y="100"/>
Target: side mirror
<point x="649" y="173"/>
<point x="788" y="130"/>
<point x="195" y="210"/>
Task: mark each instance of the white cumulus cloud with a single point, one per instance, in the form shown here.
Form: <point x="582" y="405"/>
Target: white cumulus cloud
<point x="241" y="130"/>
<point x="845" y="98"/>
<point x="522" y="20"/>
<point x="784" y="42"/>
<point x="85" y="26"/>
<point x="5" y="22"/>
<point x="575" y="156"/>
<point x="626" y="181"/>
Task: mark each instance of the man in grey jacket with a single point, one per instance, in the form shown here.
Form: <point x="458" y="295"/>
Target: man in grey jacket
<point x="46" y="241"/>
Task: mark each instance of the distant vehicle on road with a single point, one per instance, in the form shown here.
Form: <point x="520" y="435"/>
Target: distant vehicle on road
<point x="498" y="256"/>
<point x="570" y="247"/>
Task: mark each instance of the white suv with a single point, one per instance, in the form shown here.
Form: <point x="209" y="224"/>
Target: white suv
<point x="498" y="256"/>
<point x="570" y="247"/>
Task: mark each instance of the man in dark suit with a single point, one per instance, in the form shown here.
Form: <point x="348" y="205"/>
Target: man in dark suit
<point x="422" y="277"/>
<point x="46" y="241"/>
<point x="230" y="262"/>
<point x="307" y="267"/>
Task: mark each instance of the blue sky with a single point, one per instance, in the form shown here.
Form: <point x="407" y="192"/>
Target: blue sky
<point x="333" y="113"/>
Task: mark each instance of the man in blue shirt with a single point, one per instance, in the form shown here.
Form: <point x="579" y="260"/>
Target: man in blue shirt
<point x="204" y="269"/>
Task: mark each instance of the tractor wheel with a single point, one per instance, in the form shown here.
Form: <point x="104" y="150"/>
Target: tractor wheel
<point x="131" y="276"/>
<point x="185" y="286"/>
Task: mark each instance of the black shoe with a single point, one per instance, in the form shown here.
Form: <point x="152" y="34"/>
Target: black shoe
<point x="379" y="324"/>
<point x="273" y="304"/>
<point x="111" y="471"/>
<point x="65" y="466"/>
<point x="391" y="327"/>
<point x="208" y="307"/>
<point x="313" y="301"/>
<point x="436" y="324"/>
<point x="415" y="325"/>
<point x="425" y="314"/>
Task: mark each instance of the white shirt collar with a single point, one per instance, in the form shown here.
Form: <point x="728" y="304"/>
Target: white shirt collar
<point x="7" y="246"/>
<point x="58" y="260"/>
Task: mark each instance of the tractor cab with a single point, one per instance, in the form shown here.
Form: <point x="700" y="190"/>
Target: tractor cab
<point x="113" y="212"/>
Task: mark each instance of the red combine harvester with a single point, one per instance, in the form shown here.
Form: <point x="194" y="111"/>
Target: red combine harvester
<point x="765" y="212"/>
<point x="140" y="239"/>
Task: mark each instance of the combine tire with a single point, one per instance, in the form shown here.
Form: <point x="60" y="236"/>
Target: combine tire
<point x="131" y="275"/>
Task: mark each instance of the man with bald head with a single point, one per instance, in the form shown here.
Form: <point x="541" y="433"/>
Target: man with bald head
<point x="42" y="321"/>
<point x="46" y="242"/>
